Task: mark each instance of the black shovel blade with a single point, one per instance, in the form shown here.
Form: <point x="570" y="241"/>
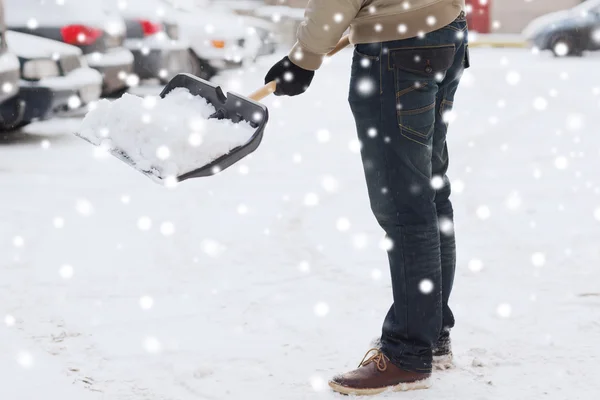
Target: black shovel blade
<point x="231" y="106"/>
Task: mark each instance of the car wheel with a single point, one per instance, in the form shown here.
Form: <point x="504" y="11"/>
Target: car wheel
<point x="199" y="67"/>
<point x="564" y="45"/>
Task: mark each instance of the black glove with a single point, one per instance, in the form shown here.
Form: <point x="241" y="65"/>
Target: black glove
<point x="291" y="79"/>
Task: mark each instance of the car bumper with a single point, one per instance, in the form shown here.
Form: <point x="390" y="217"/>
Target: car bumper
<point x="60" y="95"/>
<point x="11" y="107"/>
<point x="159" y="63"/>
<point x="115" y="66"/>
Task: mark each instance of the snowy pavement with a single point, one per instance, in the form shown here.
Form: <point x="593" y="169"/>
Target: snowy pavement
<point x="265" y="280"/>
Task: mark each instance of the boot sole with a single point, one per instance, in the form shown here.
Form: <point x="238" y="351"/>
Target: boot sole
<point x="443" y="363"/>
<point x="402" y="387"/>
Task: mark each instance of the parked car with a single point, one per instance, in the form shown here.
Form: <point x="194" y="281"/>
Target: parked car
<point x="218" y="39"/>
<point x="11" y="107"/>
<point x="152" y="38"/>
<point x="569" y="32"/>
<point x="55" y="79"/>
<point x="84" y="24"/>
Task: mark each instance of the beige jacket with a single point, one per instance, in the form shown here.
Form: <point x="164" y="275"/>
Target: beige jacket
<point x="370" y="21"/>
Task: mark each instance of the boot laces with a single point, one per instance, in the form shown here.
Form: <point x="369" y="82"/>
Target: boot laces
<point x="378" y="358"/>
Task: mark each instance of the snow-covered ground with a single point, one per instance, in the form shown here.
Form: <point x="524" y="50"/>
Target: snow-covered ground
<point x="265" y="280"/>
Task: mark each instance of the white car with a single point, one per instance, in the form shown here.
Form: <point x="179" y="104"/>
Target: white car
<point x="81" y="23"/>
<point x="218" y="39"/>
<point x="152" y="37"/>
<point x="55" y="77"/>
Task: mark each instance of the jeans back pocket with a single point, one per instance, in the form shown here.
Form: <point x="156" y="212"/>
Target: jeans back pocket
<point x="417" y="72"/>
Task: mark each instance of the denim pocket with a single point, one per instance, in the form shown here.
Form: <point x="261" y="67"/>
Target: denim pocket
<point x="416" y="75"/>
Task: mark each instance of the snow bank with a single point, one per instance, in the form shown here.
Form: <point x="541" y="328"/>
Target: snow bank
<point x="170" y="136"/>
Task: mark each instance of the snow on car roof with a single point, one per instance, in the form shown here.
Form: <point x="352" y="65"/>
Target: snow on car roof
<point x="30" y="46"/>
<point x="33" y="13"/>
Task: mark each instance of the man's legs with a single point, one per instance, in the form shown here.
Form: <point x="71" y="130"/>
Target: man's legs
<point x="398" y="123"/>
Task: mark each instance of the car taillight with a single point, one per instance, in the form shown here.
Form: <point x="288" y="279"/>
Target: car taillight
<point x="80" y="34"/>
<point x="150" y="27"/>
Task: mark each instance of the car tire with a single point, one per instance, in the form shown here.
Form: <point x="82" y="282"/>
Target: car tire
<point x="565" y="46"/>
<point x="201" y="68"/>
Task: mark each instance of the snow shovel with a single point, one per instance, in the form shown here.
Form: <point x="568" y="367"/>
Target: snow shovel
<point x="230" y="106"/>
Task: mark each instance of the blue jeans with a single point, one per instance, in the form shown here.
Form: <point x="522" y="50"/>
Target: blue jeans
<point x="401" y="93"/>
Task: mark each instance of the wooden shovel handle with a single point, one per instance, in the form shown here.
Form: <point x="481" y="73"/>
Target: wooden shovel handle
<point x="270" y="87"/>
<point x="264" y="91"/>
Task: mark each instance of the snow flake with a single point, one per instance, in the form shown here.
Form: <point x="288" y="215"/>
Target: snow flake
<point x="365" y="62"/>
<point x="146" y="302"/>
<point x="421" y="34"/>
<point x="145" y="50"/>
<point x="25" y="359"/>
<point x="406" y="5"/>
<point x="58" y="222"/>
<point x="60" y="2"/>
<point x="386" y="244"/>
<point x="195" y="139"/>
<point x="152" y="345"/>
<point x="146" y="118"/>
<point x="537" y="174"/>
<point x="449" y="116"/>
<point x="163" y="152"/>
<point x="483" y="212"/>
<point x="431" y="20"/>
<point x="426" y="286"/>
<point x="342" y="224"/>
<point x="575" y="122"/>
<point x="304" y="267"/>
<point x="197" y="124"/>
<point x="150" y="102"/>
<point x="323" y="136"/>
<point x="297" y="158"/>
<point x="18" y="241"/>
<point x="475" y="265"/>
<point x="338" y="17"/>
<point x="561" y="162"/>
<point x="538" y="259"/>
<point x="360" y="240"/>
<point x="144" y="223"/>
<point x="513" y="78"/>
<point x="167" y="228"/>
<point x="321" y="309"/>
<point x="125" y="199"/>
<point x="32" y="23"/>
<point x="212" y="248"/>
<point x="458" y="186"/>
<point x="84" y="207"/>
<point x="561" y="49"/>
<point x="9" y="320"/>
<point x="355" y="146"/>
<point x="132" y="80"/>
<point x="365" y="86"/>
<point x="45" y="144"/>
<point x="288" y="76"/>
<point x="402" y="28"/>
<point x="446" y="226"/>
<point x="597" y="214"/>
<point x="496" y="24"/>
<point x="163" y="73"/>
<point x="242" y="209"/>
<point x="437" y="182"/>
<point x="372" y="132"/>
<point x="66" y="271"/>
<point x="311" y="199"/>
<point x="376" y="274"/>
<point x="540" y="103"/>
<point x="504" y="310"/>
<point x="460" y="35"/>
<point x="7" y="87"/>
<point x="378" y="27"/>
<point x="317" y="383"/>
<point x="513" y="201"/>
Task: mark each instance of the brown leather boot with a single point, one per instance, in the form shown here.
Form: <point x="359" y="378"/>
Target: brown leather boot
<point x="376" y="374"/>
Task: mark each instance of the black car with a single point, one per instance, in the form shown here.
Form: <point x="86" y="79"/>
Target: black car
<point x="11" y="107"/>
<point x="84" y="24"/>
<point x="567" y="33"/>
